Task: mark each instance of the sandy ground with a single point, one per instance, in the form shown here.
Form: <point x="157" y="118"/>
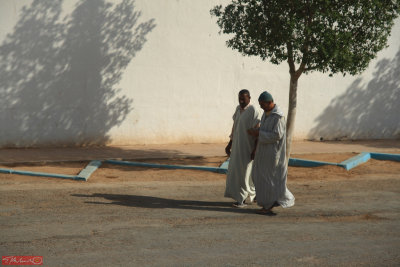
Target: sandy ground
<point x="132" y="216"/>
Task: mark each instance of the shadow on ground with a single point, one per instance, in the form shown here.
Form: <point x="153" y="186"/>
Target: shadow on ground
<point x="54" y="154"/>
<point x="59" y="76"/>
<point x="149" y="202"/>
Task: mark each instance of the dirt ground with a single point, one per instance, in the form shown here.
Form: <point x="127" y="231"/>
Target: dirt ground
<point x="131" y="216"/>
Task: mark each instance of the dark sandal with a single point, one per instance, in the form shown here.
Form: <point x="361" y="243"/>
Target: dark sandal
<point x="264" y="211"/>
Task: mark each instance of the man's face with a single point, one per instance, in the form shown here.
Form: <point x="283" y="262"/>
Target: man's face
<point x="267" y="106"/>
<point x="244" y="100"/>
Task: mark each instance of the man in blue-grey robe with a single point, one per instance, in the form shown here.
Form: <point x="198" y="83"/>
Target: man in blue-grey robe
<point x="270" y="163"/>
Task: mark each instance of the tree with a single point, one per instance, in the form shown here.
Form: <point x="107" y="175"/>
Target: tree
<point x="330" y="36"/>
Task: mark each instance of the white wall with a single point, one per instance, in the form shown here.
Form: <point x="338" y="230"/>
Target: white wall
<point x="76" y="72"/>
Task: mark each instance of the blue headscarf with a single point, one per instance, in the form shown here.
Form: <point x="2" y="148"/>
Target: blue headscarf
<point x="265" y="97"/>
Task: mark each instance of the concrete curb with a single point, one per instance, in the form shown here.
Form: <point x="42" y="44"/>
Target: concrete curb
<point x="83" y="175"/>
<point x="347" y="164"/>
<point x="88" y="170"/>
<point x="355" y="161"/>
<point x="166" y="166"/>
<point x="93" y="165"/>
<point x="42" y="174"/>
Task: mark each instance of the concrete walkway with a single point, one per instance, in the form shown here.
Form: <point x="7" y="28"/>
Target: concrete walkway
<point x="182" y="150"/>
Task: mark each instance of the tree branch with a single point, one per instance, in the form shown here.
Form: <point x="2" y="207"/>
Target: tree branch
<point x="307" y="37"/>
<point x="292" y="67"/>
<point x="300" y="70"/>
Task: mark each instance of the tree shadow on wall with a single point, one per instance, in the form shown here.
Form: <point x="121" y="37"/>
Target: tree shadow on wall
<point x="59" y="77"/>
<point x="365" y="111"/>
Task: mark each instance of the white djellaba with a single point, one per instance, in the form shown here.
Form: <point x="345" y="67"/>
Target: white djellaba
<point x="239" y="184"/>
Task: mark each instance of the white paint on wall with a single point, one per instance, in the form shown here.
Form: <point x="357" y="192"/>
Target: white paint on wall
<point x="67" y="78"/>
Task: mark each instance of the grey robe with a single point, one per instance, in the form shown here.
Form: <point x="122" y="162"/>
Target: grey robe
<point x="270" y="163"/>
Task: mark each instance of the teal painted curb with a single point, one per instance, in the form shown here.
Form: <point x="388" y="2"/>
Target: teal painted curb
<point x="95" y="164"/>
<point x="43" y="174"/>
<point x="308" y="163"/>
<point x="225" y="165"/>
<point x="347" y="164"/>
<point x="166" y="166"/>
<point x="295" y="163"/>
<point x="355" y="161"/>
<point x="384" y="156"/>
<point x="88" y="170"/>
<point x="82" y="176"/>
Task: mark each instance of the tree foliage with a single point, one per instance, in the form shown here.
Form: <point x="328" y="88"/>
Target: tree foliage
<point x="319" y="35"/>
<point x="334" y="36"/>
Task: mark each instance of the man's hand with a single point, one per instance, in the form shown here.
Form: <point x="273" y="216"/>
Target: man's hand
<point x="253" y="132"/>
<point x="228" y="148"/>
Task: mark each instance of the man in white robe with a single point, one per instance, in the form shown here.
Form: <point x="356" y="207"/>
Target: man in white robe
<point x="270" y="163"/>
<point x="241" y="149"/>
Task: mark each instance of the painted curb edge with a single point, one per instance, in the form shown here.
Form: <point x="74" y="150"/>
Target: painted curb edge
<point x="93" y="165"/>
<point x="167" y="166"/>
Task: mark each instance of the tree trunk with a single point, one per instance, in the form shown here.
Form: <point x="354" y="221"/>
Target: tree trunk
<point x="291" y="113"/>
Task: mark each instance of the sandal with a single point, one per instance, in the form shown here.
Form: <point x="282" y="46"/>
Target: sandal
<point x="239" y="205"/>
<point x="264" y="211"/>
